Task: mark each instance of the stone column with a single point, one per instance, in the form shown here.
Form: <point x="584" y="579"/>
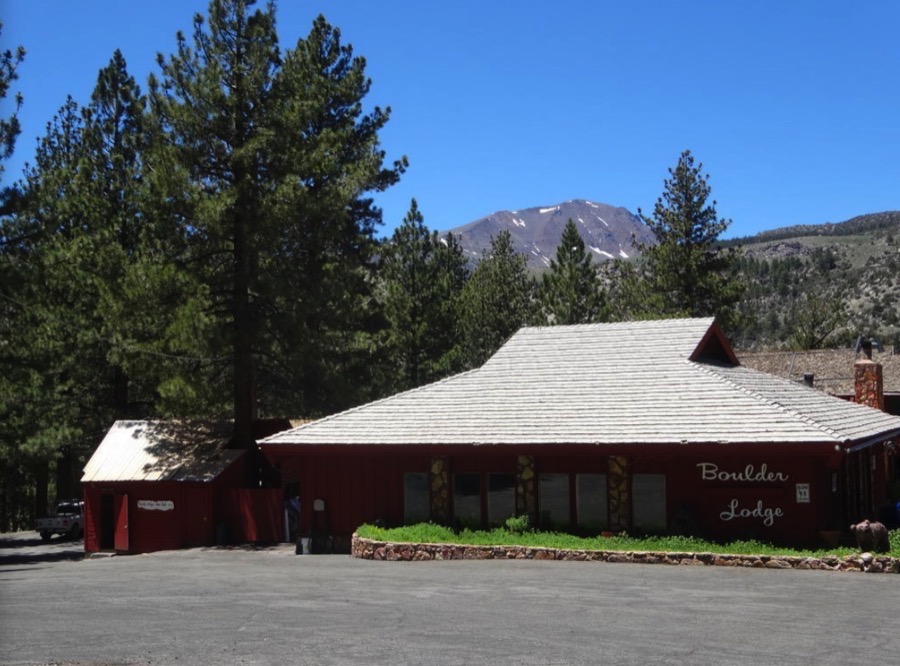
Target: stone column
<point x="526" y="488"/>
<point x="619" y="490"/>
<point x="439" y="484"/>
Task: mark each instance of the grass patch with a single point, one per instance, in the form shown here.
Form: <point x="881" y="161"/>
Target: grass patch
<point x="430" y="533"/>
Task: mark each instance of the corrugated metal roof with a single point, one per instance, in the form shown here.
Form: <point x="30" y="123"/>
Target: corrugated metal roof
<point x="621" y="383"/>
<point x="162" y="451"/>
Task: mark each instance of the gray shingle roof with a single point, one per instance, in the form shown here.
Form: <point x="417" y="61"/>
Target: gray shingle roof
<point x="620" y="383"/>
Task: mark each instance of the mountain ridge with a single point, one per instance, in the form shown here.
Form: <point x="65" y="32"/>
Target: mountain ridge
<point x="609" y="232"/>
<point x="806" y="286"/>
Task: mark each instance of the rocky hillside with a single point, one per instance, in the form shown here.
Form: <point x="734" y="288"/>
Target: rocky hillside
<point x="608" y="231"/>
<point x="834" y="281"/>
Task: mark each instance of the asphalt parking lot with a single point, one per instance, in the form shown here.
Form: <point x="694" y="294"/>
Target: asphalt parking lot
<point x="271" y="606"/>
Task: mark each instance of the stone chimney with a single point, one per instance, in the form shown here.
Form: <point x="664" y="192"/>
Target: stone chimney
<point x="868" y="385"/>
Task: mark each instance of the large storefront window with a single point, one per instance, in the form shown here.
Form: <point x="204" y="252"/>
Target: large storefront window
<point x="649" y="502"/>
<point x="553" y="496"/>
<point x="467" y="500"/>
<point x="590" y="493"/>
<point x="501" y="498"/>
<point x="416" y="504"/>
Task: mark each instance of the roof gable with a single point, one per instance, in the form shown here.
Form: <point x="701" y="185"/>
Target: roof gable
<point x="714" y="347"/>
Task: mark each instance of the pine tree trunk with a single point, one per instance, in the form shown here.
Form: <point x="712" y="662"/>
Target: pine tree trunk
<point x="244" y="371"/>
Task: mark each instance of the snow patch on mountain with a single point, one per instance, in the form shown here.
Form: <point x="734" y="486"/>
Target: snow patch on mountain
<point x="601" y="252"/>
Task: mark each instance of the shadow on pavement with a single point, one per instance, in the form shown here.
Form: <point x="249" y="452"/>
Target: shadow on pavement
<point x="36" y="558"/>
<point x="21" y="549"/>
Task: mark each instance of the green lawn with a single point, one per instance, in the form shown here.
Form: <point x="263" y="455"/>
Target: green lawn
<point x="430" y="533"/>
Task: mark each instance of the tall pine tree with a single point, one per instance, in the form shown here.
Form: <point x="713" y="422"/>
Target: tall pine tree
<point x="497" y="300"/>
<point x="687" y="272"/>
<point x="423" y="277"/>
<point x="70" y="244"/>
<point x="571" y="292"/>
<point x="10" y="126"/>
<point x="278" y="157"/>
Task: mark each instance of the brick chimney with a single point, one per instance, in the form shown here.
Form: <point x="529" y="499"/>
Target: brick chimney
<point x="868" y="385"/>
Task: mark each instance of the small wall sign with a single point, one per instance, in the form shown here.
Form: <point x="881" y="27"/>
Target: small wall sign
<point x="803" y="493"/>
<point x="156" y="505"/>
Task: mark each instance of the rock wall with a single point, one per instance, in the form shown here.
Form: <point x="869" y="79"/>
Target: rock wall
<point x="407" y="552"/>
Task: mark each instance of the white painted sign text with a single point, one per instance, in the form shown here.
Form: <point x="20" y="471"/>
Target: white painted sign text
<point x="768" y="515"/>
<point x="750" y="474"/>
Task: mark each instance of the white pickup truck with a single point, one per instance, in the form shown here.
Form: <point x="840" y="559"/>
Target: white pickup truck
<point x="69" y="520"/>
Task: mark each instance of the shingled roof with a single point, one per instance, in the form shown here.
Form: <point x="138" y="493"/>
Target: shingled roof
<point x="832" y="369"/>
<point x="672" y="381"/>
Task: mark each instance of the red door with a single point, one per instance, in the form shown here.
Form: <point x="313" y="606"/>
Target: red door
<point x="197" y="518"/>
<point x="121" y="539"/>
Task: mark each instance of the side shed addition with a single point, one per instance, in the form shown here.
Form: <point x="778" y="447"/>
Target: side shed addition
<point x="162" y="485"/>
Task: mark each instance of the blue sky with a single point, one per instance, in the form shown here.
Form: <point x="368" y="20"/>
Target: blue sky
<point x="792" y="107"/>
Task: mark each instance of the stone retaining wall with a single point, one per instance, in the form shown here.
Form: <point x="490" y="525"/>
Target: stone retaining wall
<point x="368" y="549"/>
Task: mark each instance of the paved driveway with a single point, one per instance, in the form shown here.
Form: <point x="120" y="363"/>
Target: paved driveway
<point x="272" y="607"/>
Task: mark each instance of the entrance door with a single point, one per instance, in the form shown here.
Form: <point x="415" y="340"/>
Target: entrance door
<point x="197" y="519"/>
<point x="122" y="539"/>
<point x="107" y="521"/>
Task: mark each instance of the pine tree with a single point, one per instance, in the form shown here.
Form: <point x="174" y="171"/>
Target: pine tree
<point x="423" y="277"/>
<point x="497" y="300"/>
<point x="9" y="127"/>
<point x="570" y="291"/>
<point x="687" y="271"/>
<point x="70" y="245"/>
<point x="277" y="157"/>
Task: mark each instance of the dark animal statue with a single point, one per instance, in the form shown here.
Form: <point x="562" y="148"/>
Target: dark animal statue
<point x="871" y="537"/>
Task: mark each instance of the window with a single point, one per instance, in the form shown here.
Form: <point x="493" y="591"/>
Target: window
<point x="649" y="502"/>
<point x="554" y="500"/>
<point x="416" y="502"/>
<point x="467" y="500"/>
<point x="590" y="494"/>
<point x="501" y="498"/>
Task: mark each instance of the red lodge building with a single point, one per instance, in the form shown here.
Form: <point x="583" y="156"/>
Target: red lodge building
<point x="650" y="426"/>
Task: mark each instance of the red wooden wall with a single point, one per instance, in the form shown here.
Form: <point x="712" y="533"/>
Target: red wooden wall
<point x="746" y="502"/>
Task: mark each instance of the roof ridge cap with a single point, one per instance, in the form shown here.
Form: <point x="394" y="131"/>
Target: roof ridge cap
<point x="709" y="369"/>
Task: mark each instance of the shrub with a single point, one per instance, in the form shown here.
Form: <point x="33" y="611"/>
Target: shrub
<point x="519" y="524"/>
